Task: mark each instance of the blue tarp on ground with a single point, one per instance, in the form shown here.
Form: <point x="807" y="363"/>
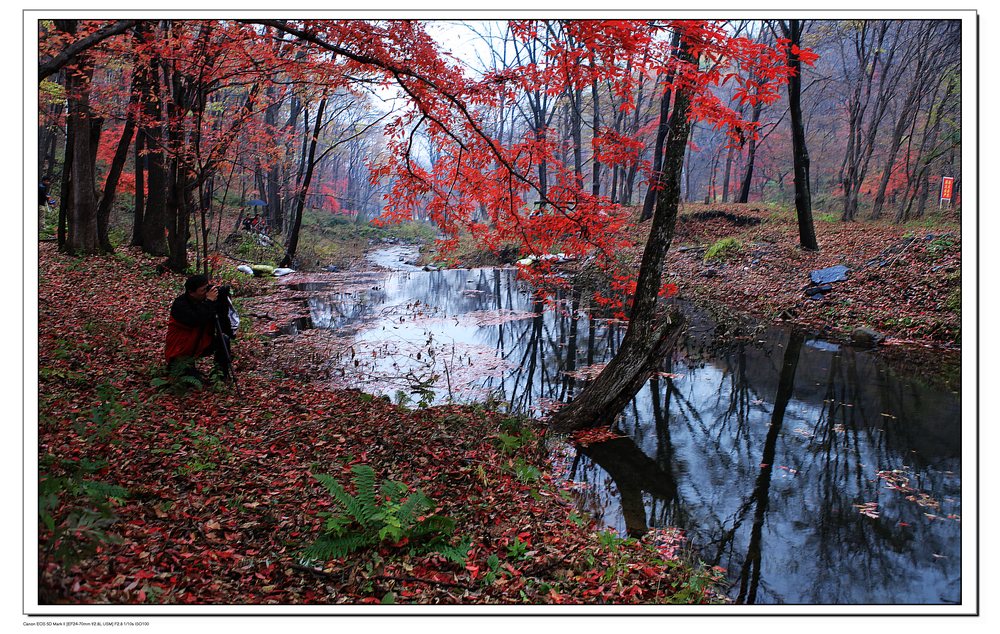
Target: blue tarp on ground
<point x="828" y="275"/>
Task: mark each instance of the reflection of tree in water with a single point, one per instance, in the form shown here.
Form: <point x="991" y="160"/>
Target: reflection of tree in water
<point x="788" y="531"/>
<point x="633" y="472"/>
<point x="816" y="532"/>
<point x="750" y="574"/>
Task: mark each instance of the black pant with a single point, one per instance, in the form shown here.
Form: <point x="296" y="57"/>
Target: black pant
<point x="219" y="348"/>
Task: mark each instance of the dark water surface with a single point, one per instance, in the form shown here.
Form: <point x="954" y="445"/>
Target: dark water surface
<point x="812" y="473"/>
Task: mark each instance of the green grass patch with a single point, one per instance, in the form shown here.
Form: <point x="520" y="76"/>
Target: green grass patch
<point x="723" y="249"/>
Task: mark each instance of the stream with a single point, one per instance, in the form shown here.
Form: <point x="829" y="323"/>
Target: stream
<point x="812" y="473"/>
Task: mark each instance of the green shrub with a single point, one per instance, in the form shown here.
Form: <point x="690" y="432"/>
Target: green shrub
<point x="723" y="249"/>
<point x="941" y="245"/>
<point x="368" y="519"/>
<point x="77" y="511"/>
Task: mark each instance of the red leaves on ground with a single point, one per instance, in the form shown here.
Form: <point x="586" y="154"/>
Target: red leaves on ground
<point x="221" y="498"/>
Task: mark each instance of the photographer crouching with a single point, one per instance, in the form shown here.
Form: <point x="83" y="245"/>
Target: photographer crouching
<point x="202" y="322"/>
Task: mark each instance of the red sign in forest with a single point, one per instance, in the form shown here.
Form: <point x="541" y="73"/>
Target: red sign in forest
<point x="947" y="187"/>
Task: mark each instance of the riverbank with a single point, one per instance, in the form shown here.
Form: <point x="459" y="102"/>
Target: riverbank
<point x="903" y="281"/>
<point x="154" y="492"/>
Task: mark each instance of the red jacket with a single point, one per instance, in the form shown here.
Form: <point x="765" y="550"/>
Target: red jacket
<point x="191" y="328"/>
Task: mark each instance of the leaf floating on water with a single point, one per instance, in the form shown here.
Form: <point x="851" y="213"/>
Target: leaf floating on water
<point x="587" y="372"/>
<point x="588" y="437"/>
<point x="669" y="375"/>
<point x="868" y="509"/>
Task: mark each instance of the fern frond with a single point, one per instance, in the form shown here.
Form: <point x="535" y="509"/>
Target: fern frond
<point x="455" y="553"/>
<point x="434" y="524"/>
<point x="326" y="547"/>
<point x="393" y="490"/>
<point x="101" y="490"/>
<point x="414" y="506"/>
<point x="348" y="503"/>
<point x="334" y="488"/>
<point x="364" y="485"/>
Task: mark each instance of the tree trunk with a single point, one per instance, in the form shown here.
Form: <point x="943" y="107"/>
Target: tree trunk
<point x="726" y="173"/>
<point x="595" y="96"/>
<point x="800" y="154"/>
<point x="649" y="333"/>
<point x="154" y="214"/>
<point x="66" y="199"/>
<point x="81" y="235"/>
<point x="751" y="157"/>
<point x="140" y="190"/>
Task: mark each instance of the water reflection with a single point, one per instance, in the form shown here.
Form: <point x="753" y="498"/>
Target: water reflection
<point x="811" y="473"/>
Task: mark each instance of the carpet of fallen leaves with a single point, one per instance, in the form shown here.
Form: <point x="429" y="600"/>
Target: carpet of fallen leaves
<point x="221" y="498"/>
<point x="904" y="280"/>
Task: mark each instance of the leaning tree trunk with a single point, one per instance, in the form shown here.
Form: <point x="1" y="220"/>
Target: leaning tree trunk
<point x="650" y="334"/>
<point x="744" y="195"/>
<point x="111" y="184"/>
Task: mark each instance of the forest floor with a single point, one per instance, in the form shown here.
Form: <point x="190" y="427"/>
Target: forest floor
<point x="156" y="492"/>
<point x="903" y="281"/>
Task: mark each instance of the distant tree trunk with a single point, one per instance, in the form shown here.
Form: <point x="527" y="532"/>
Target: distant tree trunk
<point x="726" y="173"/>
<point x="924" y="52"/>
<point x="628" y="186"/>
<point x="111" y="182"/>
<point x="875" y="58"/>
<point x="292" y="243"/>
<point x="576" y="127"/>
<point x="895" y="142"/>
<point x="744" y="195"/>
<point x="271" y="191"/>
<point x="926" y="155"/>
<point x="661" y="134"/>
<point x="649" y="332"/>
<point x="803" y="197"/>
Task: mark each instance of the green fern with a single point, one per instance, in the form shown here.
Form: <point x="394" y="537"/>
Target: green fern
<point x="102" y="490"/>
<point x="455" y="553"/>
<point x="365" y="519"/>
<point x="364" y="484"/>
<point x="327" y="547"/>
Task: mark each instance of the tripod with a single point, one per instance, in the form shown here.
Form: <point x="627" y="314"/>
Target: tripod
<point x="224" y="342"/>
